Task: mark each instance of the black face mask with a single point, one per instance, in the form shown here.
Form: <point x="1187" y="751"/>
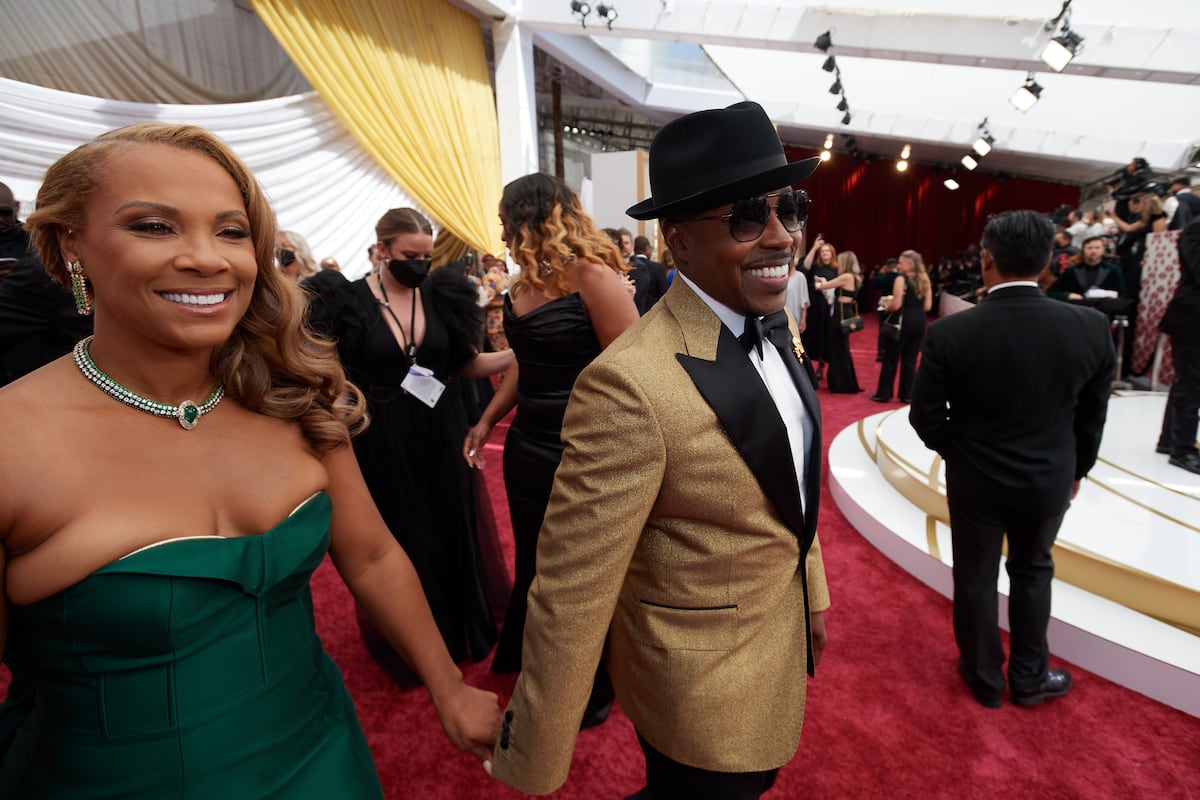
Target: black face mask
<point x="409" y="272"/>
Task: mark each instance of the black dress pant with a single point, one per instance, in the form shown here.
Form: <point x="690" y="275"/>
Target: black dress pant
<point x="904" y="351"/>
<point x="982" y="514"/>
<point x="667" y="779"/>
<point x="1179" y="418"/>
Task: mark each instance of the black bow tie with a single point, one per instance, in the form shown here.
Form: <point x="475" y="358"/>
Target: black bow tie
<point x="772" y="328"/>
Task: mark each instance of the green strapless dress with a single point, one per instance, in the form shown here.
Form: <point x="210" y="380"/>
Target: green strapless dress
<point x="191" y="669"/>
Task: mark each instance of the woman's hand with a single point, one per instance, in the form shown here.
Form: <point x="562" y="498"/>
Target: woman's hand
<point x="472" y="449"/>
<point x="629" y="285"/>
<point x="470" y="719"/>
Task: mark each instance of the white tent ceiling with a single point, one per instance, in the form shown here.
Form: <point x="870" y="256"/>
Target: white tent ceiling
<point x="925" y="73"/>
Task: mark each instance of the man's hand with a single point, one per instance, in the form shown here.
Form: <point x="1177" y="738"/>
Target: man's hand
<point x="816" y="626"/>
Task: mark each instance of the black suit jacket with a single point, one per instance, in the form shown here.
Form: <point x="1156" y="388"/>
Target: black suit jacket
<point x="1016" y="388"/>
<point x="38" y="321"/>
<point x="1188" y="210"/>
<point x="649" y="282"/>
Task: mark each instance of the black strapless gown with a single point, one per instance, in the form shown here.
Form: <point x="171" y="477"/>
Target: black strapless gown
<point x="553" y="343"/>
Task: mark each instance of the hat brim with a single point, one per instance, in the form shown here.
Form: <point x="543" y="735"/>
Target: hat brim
<point x="787" y="174"/>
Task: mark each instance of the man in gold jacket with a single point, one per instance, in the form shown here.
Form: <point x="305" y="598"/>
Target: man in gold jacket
<point x="680" y="539"/>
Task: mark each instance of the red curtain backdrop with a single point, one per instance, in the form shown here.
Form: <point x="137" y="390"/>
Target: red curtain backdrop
<point x="876" y="211"/>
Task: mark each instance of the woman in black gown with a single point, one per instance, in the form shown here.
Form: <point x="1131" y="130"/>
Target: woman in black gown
<point x="569" y="302"/>
<point x="912" y="296"/>
<point x="399" y="320"/>
<point x="841" y="377"/>
<point x="821" y="262"/>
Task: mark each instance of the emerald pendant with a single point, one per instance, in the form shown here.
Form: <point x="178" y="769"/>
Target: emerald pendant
<point x="187" y="414"/>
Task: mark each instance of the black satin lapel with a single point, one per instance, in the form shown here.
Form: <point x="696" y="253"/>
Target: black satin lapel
<point x="736" y="393"/>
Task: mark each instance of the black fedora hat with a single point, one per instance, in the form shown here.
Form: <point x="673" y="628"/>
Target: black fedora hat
<point x="714" y="157"/>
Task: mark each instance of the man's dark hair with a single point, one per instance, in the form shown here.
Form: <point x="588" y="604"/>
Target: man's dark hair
<point x="1091" y="239"/>
<point x="641" y="245"/>
<point x="1020" y="242"/>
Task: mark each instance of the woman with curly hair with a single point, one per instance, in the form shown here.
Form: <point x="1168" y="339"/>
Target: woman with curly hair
<point x="411" y="338"/>
<point x="568" y="303"/>
<point x="169" y="489"/>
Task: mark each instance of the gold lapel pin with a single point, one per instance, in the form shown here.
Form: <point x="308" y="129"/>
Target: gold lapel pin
<point x="798" y="348"/>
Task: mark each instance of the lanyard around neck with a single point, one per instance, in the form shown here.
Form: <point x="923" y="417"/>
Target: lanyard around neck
<point x="408" y="346"/>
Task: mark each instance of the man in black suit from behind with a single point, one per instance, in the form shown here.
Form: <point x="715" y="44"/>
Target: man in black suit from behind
<point x="655" y="285"/>
<point x="1013" y="394"/>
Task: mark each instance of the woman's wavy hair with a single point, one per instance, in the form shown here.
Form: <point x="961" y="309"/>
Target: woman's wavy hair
<point x="270" y="363"/>
<point x="847" y="261"/>
<point x="920" y="274"/>
<point x="299" y="245"/>
<point x="544" y="223"/>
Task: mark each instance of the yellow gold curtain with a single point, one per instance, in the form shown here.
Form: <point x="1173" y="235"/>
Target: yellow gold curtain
<point x="410" y="81"/>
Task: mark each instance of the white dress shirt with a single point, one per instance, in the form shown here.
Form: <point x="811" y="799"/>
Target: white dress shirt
<point x="778" y="381"/>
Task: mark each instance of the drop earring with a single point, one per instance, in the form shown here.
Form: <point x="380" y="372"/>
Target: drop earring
<point x="83" y="302"/>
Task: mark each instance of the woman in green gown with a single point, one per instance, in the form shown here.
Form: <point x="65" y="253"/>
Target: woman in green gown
<point x="168" y="490"/>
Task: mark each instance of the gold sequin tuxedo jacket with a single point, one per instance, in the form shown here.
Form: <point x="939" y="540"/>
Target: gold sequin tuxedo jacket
<point x="660" y="536"/>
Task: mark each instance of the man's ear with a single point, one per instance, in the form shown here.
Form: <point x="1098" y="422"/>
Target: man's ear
<point x="675" y="240"/>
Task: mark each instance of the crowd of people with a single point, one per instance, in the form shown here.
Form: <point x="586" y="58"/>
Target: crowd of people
<point x="662" y="468"/>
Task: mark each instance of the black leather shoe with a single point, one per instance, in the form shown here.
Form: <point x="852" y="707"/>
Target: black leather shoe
<point x="1056" y="684"/>
<point x="1163" y="450"/>
<point x="985" y="699"/>
<point x="881" y="399"/>
<point x="1189" y="461"/>
<point x="904" y="399"/>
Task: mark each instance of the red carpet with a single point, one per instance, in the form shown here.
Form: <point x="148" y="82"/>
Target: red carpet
<point x="887" y="714"/>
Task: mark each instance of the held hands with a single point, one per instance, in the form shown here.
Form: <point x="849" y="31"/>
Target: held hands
<point x="473" y="445"/>
<point x="470" y="719"/>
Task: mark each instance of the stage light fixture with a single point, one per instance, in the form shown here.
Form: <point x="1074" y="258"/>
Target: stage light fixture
<point x="826" y="155"/>
<point x="1024" y="98"/>
<point x="829" y="141"/>
<point x="906" y="152"/>
<point x="1061" y="49"/>
<point x="581" y="10"/>
<point x="823" y="42"/>
<point x="607" y="13"/>
<point x="983" y="145"/>
<point x="846" y="118"/>
<point x="830" y="64"/>
<point x="969" y="162"/>
<point x="844" y="105"/>
<point x="901" y="165"/>
<point x="951" y="184"/>
<point x="836" y="88"/>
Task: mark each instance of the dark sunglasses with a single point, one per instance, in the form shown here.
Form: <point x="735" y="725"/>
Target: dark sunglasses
<point x="7" y="212"/>
<point x="749" y="216"/>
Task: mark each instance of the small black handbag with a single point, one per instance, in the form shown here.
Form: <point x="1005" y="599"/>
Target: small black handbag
<point x="852" y="323"/>
<point x="890" y="327"/>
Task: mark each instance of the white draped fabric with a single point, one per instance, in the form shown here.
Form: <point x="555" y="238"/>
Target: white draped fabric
<point x="322" y="184"/>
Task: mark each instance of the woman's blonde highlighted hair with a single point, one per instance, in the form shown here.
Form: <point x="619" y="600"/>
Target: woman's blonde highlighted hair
<point x="920" y="275"/>
<point x="271" y="363"/>
<point x="545" y="225"/>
